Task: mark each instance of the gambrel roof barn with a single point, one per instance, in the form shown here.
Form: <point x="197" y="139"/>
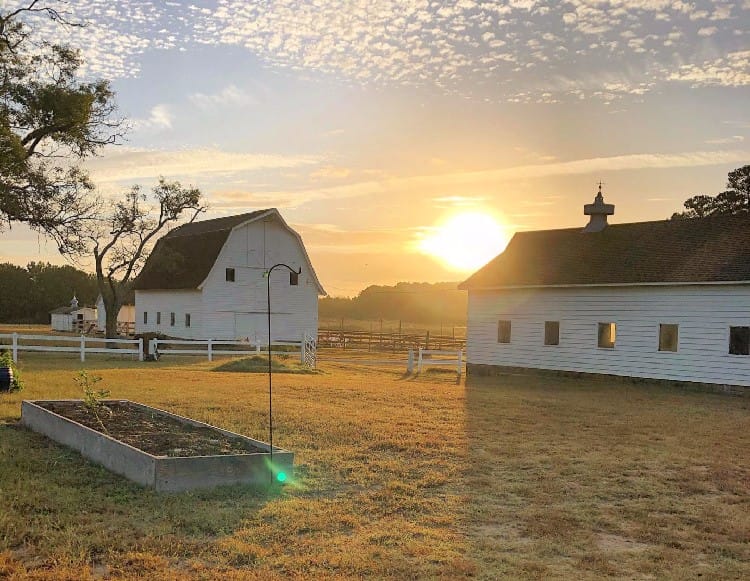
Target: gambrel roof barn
<point x="206" y="280"/>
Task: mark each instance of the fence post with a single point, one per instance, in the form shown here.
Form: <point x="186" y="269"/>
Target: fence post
<point x="257" y="347"/>
<point x="83" y="347"/>
<point x="210" y="350"/>
<point x="460" y="362"/>
<point x="140" y="349"/>
<point x="15" y="347"/>
<point x="419" y="361"/>
<point x="302" y="348"/>
<point x="410" y="362"/>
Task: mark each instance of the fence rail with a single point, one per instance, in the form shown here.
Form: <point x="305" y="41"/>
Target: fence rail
<point x="207" y="347"/>
<point x="393" y="342"/>
<point x="453" y="358"/>
<point x="83" y="345"/>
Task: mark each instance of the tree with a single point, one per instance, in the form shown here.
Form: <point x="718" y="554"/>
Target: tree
<point x="49" y="122"/>
<point x="734" y="200"/>
<point x="121" y="239"/>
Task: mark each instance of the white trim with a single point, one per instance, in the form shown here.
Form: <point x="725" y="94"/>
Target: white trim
<point x="614" y="284"/>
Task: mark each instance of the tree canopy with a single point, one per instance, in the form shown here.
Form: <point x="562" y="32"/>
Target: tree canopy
<point x="734" y="200"/>
<point x="50" y="121"/>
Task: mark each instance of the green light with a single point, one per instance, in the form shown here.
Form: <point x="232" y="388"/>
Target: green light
<point x="281" y="476"/>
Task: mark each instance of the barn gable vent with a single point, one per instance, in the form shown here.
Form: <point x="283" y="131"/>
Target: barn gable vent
<point x="598" y="212"/>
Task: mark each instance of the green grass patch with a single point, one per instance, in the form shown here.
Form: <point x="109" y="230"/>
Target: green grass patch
<point x="259" y="364"/>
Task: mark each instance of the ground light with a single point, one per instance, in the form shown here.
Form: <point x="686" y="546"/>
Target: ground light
<point x="293" y="281"/>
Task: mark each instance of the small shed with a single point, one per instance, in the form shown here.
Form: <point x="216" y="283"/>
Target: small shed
<point x="72" y="318"/>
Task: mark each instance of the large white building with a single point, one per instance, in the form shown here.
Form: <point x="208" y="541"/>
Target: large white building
<point x="207" y="279"/>
<point x="663" y="300"/>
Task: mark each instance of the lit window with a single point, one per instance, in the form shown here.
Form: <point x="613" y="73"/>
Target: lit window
<point x="668" y="337"/>
<point x="145" y="317"/>
<point x="230" y="275"/>
<point x="171" y="319"/>
<point x="187" y="319"/>
<point x="551" y="332"/>
<point x="739" y="340"/>
<point x="503" y="331"/>
<point x="607" y="334"/>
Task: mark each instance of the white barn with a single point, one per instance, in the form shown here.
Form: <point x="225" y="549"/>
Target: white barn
<point x="663" y="300"/>
<point x="72" y="318"/>
<point x="206" y="280"/>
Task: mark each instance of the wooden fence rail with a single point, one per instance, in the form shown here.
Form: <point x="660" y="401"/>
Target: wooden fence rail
<point x="393" y="342"/>
<point x="82" y="345"/>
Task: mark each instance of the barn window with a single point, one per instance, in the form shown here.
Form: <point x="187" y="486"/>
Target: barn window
<point x="145" y="317"/>
<point x="171" y="319"/>
<point x="230" y="275"/>
<point x="187" y="319"/>
<point x="551" y="332"/>
<point x="668" y="337"/>
<point x="607" y="334"/>
<point x="158" y="317"/>
<point x="503" y="331"/>
<point x="739" y="340"/>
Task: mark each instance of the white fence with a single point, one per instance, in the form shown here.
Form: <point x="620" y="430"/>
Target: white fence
<point x="83" y="345"/>
<point x="453" y="358"/>
<point x="212" y="347"/>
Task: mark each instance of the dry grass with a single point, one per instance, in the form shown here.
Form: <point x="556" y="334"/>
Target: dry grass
<point x="398" y="477"/>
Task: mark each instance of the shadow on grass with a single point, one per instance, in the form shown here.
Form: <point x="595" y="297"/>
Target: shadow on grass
<point x="53" y="499"/>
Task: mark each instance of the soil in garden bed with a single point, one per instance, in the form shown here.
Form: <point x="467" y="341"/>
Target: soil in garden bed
<point x="152" y="432"/>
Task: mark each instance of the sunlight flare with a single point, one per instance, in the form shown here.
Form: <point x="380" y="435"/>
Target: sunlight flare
<point x="466" y="241"/>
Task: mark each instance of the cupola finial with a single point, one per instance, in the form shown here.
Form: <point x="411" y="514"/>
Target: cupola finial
<point x="598" y="212"/>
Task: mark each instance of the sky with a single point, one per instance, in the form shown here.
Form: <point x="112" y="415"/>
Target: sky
<point x="371" y="124"/>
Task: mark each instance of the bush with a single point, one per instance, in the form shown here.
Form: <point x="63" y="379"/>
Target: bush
<point x="6" y="360"/>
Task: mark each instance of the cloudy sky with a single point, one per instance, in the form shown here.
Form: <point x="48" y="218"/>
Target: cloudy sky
<point x="370" y="123"/>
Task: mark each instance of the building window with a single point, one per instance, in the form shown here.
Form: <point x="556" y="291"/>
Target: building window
<point x="739" y="340"/>
<point x="503" y="331"/>
<point x="171" y="319"/>
<point x="158" y="317"/>
<point x="145" y="317"/>
<point x="230" y="275"/>
<point x="668" y="335"/>
<point x="187" y="319"/>
<point x="607" y="334"/>
<point x="551" y="332"/>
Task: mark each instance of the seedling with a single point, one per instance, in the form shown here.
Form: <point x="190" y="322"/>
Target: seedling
<point x="92" y="397"/>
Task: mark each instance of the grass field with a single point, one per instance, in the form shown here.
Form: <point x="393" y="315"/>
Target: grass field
<point x="397" y="477"/>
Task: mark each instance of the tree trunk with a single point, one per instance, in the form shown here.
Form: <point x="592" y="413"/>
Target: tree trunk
<point x="113" y="309"/>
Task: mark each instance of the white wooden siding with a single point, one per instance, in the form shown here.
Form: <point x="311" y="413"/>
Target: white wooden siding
<point x="178" y="302"/>
<point x="703" y="313"/>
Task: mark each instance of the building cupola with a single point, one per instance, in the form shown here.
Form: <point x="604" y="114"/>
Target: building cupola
<point x="598" y="212"/>
<point x="74" y="302"/>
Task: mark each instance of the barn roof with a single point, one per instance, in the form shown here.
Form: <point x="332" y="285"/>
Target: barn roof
<point x="703" y="250"/>
<point x="183" y="257"/>
<point x="67" y="310"/>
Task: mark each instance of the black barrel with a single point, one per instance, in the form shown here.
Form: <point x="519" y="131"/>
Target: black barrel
<point x="6" y="378"/>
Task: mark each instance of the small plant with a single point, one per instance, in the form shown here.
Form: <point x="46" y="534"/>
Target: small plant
<point x="92" y="397"/>
<point x="6" y="360"/>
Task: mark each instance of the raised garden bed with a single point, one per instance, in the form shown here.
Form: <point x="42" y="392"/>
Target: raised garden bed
<point x="155" y="448"/>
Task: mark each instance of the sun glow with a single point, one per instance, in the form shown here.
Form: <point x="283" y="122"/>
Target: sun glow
<point x="466" y="241"/>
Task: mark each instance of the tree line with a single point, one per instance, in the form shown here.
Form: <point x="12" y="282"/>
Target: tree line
<point x="406" y="301"/>
<point x="28" y="294"/>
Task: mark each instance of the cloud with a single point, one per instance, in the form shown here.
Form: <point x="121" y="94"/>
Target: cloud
<point x="330" y="172"/>
<point x="230" y="96"/>
<point x="160" y="117"/>
<point x="462" y="47"/>
<point x="730" y="71"/>
<point x="396" y="186"/>
<point x="726" y="140"/>
<point x="129" y="164"/>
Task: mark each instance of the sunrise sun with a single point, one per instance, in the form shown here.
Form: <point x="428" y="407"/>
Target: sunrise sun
<point x="466" y="241"/>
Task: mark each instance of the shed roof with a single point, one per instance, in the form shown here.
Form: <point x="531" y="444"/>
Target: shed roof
<point x="183" y="257"/>
<point x="704" y="250"/>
